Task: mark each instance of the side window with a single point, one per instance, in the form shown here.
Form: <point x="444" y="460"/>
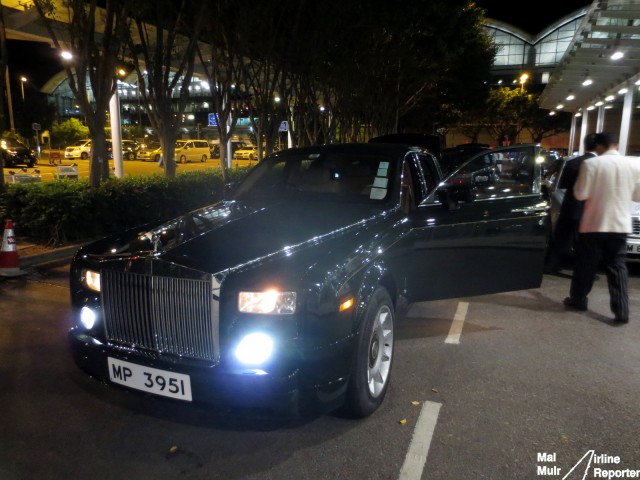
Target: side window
<point x="499" y="173"/>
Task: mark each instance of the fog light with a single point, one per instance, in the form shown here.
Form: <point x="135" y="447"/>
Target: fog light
<point x="88" y="317"/>
<point x="254" y="349"/>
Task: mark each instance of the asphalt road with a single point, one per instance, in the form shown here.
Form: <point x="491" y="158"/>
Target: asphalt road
<point x="529" y="389"/>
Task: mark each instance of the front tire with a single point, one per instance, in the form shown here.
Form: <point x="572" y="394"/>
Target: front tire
<point x="84" y="155"/>
<point x="373" y="358"/>
<point x="204" y="158"/>
<point x="183" y="159"/>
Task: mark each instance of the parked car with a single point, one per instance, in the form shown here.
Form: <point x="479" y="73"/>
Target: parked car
<point x="555" y="197"/>
<point x="192" y="150"/>
<point x="248" y="152"/>
<point x="149" y="151"/>
<point x="287" y="293"/>
<point x="15" y="153"/>
<point x="81" y="150"/>
<point x="130" y="149"/>
<point x="215" y="150"/>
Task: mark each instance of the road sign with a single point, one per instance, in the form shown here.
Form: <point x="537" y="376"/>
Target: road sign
<point x="36" y="126"/>
<point x="213" y="119"/>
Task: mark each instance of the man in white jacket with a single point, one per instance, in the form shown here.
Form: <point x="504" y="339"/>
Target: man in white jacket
<point x="607" y="183"/>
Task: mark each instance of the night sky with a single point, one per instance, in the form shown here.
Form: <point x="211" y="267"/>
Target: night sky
<point x="531" y="16"/>
<point x="36" y="61"/>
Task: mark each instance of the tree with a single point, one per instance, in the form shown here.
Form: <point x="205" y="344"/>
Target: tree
<point x="410" y="68"/>
<point x="222" y="68"/>
<point x="267" y="44"/>
<point x="542" y="125"/>
<point x="163" y="49"/>
<point x="68" y="132"/>
<point x="507" y="111"/>
<point x="95" y="37"/>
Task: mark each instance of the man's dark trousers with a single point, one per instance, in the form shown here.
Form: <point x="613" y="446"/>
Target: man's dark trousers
<point x="611" y="248"/>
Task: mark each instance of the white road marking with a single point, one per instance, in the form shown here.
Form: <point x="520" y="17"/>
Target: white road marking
<point x="458" y="321"/>
<point x="416" y="457"/>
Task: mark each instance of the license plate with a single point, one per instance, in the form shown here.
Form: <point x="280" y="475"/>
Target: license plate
<point x="151" y="380"/>
<point x="633" y="248"/>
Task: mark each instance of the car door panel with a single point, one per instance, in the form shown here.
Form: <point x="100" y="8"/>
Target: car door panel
<point x="491" y="244"/>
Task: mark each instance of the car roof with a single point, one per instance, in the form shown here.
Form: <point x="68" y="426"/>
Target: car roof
<point x="390" y="149"/>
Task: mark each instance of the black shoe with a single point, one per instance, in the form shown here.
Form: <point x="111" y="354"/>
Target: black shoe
<point x="575" y="304"/>
<point x="621" y="320"/>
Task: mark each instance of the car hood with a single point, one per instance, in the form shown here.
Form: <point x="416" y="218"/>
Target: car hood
<point x="19" y="150"/>
<point x="232" y="235"/>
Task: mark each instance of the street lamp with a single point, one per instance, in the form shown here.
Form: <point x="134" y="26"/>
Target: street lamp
<point x="23" y="80"/>
<point x="523" y="79"/>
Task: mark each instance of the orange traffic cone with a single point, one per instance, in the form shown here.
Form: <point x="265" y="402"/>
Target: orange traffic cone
<point x="9" y="262"/>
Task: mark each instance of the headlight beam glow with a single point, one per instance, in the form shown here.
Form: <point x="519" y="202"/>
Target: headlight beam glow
<point x="254" y="349"/>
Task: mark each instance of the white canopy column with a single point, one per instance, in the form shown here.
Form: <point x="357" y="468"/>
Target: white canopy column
<point x="625" y="126"/>
<point x="600" y="121"/>
<point x="583" y="131"/>
<point x="572" y="135"/>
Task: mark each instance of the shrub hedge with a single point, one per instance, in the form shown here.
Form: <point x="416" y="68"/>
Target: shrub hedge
<point x="65" y="211"/>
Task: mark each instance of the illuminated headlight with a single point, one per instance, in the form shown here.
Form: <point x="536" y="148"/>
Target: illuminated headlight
<point x="91" y="280"/>
<point x="540" y="160"/>
<point x="88" y="317"/>
<point x="254" y="349"/>
<point x="269" y="302"/>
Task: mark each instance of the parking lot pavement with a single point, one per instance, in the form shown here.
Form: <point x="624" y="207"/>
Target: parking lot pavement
<point x="508" y="386"/>
<point x="131" y="168"/>
<point x="530" y="378"/>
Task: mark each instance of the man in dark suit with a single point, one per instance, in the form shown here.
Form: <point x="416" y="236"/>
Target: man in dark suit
<point x="565" y="232"/>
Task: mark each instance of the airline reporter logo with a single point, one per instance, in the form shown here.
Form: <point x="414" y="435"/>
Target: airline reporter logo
<point x="590" y="466"/>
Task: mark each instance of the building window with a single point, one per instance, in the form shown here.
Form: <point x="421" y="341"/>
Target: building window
<point x="551" y="48"/>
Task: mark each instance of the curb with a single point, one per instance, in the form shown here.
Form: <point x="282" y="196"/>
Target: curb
<point x="64" y="253"/>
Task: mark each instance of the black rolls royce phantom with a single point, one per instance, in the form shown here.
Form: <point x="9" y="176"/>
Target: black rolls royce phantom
<point x="287" y="293"/>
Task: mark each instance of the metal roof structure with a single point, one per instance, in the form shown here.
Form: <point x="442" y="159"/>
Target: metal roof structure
<point x="609" y="27"/>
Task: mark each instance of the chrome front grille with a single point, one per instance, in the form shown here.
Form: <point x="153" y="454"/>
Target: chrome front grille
<point x="635" y="224"/>
<point x="168" y="315"/>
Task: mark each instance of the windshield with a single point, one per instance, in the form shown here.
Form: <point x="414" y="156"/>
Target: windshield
<point x="11" y="143"/>
<point x="344" y="177"/>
